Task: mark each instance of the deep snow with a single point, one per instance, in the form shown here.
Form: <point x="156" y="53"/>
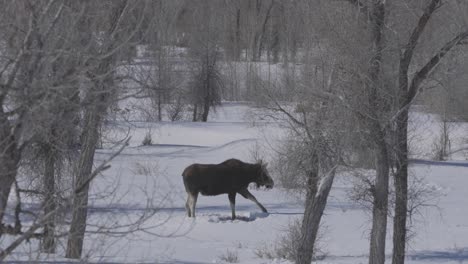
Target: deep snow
<point x="146" y="178"/>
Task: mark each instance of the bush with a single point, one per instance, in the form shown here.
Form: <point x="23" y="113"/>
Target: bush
<point x="147" y="141"/>
<point x="286" y="246"/>
<point x="229" y="257"/>
<point x="176" y="109"/>
<point x="441" y="145"/>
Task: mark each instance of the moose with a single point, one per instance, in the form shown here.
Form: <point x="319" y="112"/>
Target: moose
<point x="231" y="177"/>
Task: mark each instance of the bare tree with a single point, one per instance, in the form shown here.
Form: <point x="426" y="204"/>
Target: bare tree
<point x="10" y="130"/>
<point x="378" y="133"/>
<point x="162" y="81"/>
<point x="409" y="87"/>
<point x="381" y="117"/>
<point x="100" y="74"/>
<point x="313" y="150"/>
<point x="44" y="219"/>
<point x="259" y="13"/>
<point x="310" y="157"/>
<point x="23" y="80"/>
<point x="55" y="120"/>
<point x="233" y="27"/>
<point x="360" y="63"/>
<point x="207" y="81"/>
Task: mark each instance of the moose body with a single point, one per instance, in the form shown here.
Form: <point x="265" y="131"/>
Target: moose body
<point x="229" y="177"/>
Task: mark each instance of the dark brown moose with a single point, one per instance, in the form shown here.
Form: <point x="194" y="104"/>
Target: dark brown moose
<point x="231" y="176"/>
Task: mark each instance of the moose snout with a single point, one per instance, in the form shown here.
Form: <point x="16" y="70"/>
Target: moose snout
<point x="269" y="185"/>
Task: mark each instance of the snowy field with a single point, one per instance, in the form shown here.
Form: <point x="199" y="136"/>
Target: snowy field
<point x="147" y="179"/>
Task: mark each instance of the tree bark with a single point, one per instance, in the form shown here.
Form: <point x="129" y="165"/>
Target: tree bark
<point x="7" y="178"/>
<point x="407" y="93"/>
<point x="84" y="170"/>
<point x="48" y="242"/>
<point x="98" y="102"/>
<point x="159" y="107"/>
<point x="237" y="37"/>
<point x="380" y="189"/>
<point x="9" y="158"/>
<point x="380" y="206"/>
<point x="207" y="100"/>
<point x="206" y="111"/>
<point x="259" y="34"/>
<point x="401" y="191"/>
<point x="316" y="200"/>
<point x="309" y="229"/>
<point x="195" y="113"/>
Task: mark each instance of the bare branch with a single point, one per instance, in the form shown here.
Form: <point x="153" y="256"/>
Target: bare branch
<point x="104" y="166"/>
<point x="16" y="61"/>
<point x="54" y="21"/>
<point x="26" y="235"/>
<point x="360" y="5"/>
<point x="422" y="74"/>
<point x="40" y="223"/>
<point x="405" y="60"/>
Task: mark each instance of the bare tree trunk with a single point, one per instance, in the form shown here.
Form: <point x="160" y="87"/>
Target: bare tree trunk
<point x="7" y="178"/>
<point x="380" y="206"/>
<point x="206" y="111"/>
<point x="316" y="200"/>
<point x="84" y="170"/>
<point x="159" y="107"/>
<point x="161" y="86"/>
<point x="401" y="191"/>
<point x="380" y="189"/>
<point x="207" y="99"/>
<point x="234" y="39"/>
<point x="237" y="36"/>
<point x="9" y="158"/>
<point x="195" y="113"/>
<point x="309" y="230"/>
<point x="407" y="93"/>
<point x="98" y="99"/>
<point x="259" y="35"/>
<point x="48" y="243"/>
<point x="275" y="43"/>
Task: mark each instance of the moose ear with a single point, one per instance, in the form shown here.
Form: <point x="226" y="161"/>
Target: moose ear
<point x="262" y="163"/>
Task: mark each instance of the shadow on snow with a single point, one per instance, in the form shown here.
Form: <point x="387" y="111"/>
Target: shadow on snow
<point x="460" y="254"/>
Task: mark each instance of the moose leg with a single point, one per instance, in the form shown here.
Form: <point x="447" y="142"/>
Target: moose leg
<point x="247" y="195"/>
<point x="187" y="204"/>
<point x="232" y="202"/>
<point x="193" y="201"/>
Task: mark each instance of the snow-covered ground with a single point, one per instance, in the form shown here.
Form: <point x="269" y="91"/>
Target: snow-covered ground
<point x="147" y="179"/>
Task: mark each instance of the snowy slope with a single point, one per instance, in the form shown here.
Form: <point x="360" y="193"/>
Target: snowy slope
<point x="144" y="179"/>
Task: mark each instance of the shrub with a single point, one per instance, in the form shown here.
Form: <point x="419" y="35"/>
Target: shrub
<point x="286" y="246"/>
<point x="147" y="141"/>
<point x="229" y="257"/>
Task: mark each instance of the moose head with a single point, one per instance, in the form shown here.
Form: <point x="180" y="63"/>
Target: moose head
<point x="264" y="178"/>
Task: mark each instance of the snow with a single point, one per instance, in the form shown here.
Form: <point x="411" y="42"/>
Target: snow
<point x="145" y="182"/>
<point x="425" y="129"/>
